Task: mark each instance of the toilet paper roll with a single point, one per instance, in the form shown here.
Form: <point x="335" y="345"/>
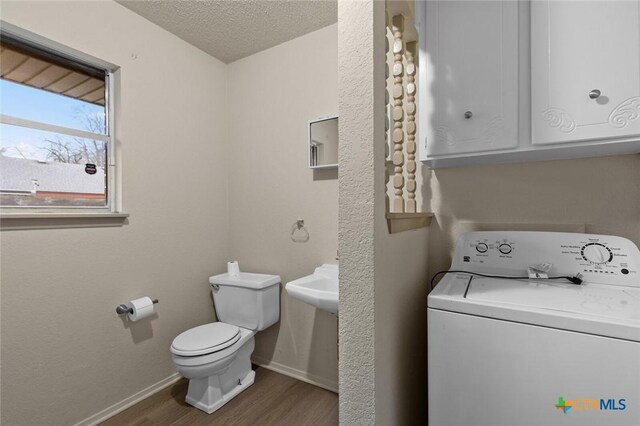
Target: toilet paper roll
<point x="233" y="269"/>
<point x="142" y="308"/>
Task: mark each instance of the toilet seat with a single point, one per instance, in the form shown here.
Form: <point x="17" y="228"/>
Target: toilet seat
<point x="205" y="339"/>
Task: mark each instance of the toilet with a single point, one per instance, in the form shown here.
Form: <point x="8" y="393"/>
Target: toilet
<point x="216" y="357"/>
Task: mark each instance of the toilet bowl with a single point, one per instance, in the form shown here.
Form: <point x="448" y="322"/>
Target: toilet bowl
<point x="216" y="357"/>
<point x="217" y="376"/>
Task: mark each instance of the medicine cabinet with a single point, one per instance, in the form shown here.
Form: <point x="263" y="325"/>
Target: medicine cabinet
<point x="323" y="143"/>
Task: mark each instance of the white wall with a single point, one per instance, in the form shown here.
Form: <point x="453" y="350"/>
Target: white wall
<point x="356" y="219"/>
<point x="273" y="94"/>
<point x="66" y="355"/>
<point x="603" y="194"/>
<point x="382" y="276"/>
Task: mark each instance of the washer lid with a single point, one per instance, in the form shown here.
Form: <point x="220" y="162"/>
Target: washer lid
<point x="599" y="309"/>
<point x="205" y="339"/>
<point x="603" y="301"/>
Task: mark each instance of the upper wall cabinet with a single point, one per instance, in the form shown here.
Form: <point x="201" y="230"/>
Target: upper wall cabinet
<point x="513" y="81"/>
<point x="585" y="78"/>
<point x="471" y="76"/>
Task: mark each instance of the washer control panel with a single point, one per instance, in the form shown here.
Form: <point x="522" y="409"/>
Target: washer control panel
<point x="599" y="258"/>
<point x="488" y="246"/>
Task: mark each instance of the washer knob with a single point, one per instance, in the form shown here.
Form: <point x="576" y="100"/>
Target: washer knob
<point x="482" y="247"/>
<point x="505" y="248"/>
<point x="596" y="253"/>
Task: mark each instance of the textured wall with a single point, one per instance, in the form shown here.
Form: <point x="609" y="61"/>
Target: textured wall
<point x="66" y="355"/>
<point x="274" y="94"/>
<point x="356" y="88"/>
<point x="601" y="193"/>
<point x="382" y="276"/>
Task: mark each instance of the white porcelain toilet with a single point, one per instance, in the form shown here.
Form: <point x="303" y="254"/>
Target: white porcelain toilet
<point x="215" y="357"/>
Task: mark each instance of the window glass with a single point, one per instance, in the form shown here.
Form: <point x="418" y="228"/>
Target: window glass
<point x="22" y="101"/>
<point x="54" y="138"/>
<point x="44" y="169"/>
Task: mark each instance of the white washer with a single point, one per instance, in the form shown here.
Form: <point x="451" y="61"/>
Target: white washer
<point x="505" y="352"/>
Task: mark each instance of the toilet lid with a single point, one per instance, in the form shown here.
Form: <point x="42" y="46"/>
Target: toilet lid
<point x="205" y="339"/>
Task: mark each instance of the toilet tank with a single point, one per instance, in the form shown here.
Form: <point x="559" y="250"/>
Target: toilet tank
<point x="248" y="300"/>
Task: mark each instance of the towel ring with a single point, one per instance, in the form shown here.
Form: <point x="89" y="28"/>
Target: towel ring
<point x="299" y="233"/>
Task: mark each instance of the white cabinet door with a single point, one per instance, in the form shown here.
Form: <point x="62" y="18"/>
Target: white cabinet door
<point x="471" y="76"/>
<point x="585" y="59"/>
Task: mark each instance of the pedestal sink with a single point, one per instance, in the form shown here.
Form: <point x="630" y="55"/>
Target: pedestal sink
<point x="319" y="289"/>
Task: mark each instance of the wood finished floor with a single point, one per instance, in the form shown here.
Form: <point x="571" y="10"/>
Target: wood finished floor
<point x="273" y="399"/>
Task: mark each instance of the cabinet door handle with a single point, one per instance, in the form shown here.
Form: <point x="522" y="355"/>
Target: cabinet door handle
<point x="594" y="94"/>
<point x="468" y="115"/>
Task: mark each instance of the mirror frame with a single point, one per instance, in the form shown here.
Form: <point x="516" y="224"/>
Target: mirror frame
<point x="309" y="154"/>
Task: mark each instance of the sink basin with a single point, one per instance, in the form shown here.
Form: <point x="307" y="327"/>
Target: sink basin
<point x="319" y="289"/>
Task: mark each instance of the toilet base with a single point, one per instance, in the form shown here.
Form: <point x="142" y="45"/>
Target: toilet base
<point x="212" y="391"/>
<point x="205" y="394"/>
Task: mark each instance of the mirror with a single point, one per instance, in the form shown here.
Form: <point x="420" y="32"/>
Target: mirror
<point x="323" y="143"/>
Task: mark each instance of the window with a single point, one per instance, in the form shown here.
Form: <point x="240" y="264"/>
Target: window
<point x="56" y="129"/>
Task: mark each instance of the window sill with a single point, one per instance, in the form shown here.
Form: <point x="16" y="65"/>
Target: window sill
<point x="17" y="221"/>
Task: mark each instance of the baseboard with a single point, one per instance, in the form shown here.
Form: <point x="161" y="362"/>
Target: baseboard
<point x="296" y="374"/>
<point x="164" y="383"/>
<point x="128" y="402"/>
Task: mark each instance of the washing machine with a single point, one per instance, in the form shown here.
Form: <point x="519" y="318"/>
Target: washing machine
<point x="536" y="328"/>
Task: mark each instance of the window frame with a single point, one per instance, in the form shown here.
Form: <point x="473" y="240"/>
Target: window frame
<point x="112" y="195"/>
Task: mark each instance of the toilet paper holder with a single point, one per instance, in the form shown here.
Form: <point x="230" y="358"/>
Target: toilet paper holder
<point x="124" y="309"/>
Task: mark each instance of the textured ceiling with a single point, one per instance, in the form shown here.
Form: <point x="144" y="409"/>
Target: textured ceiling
<point x="233" y="29"/>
